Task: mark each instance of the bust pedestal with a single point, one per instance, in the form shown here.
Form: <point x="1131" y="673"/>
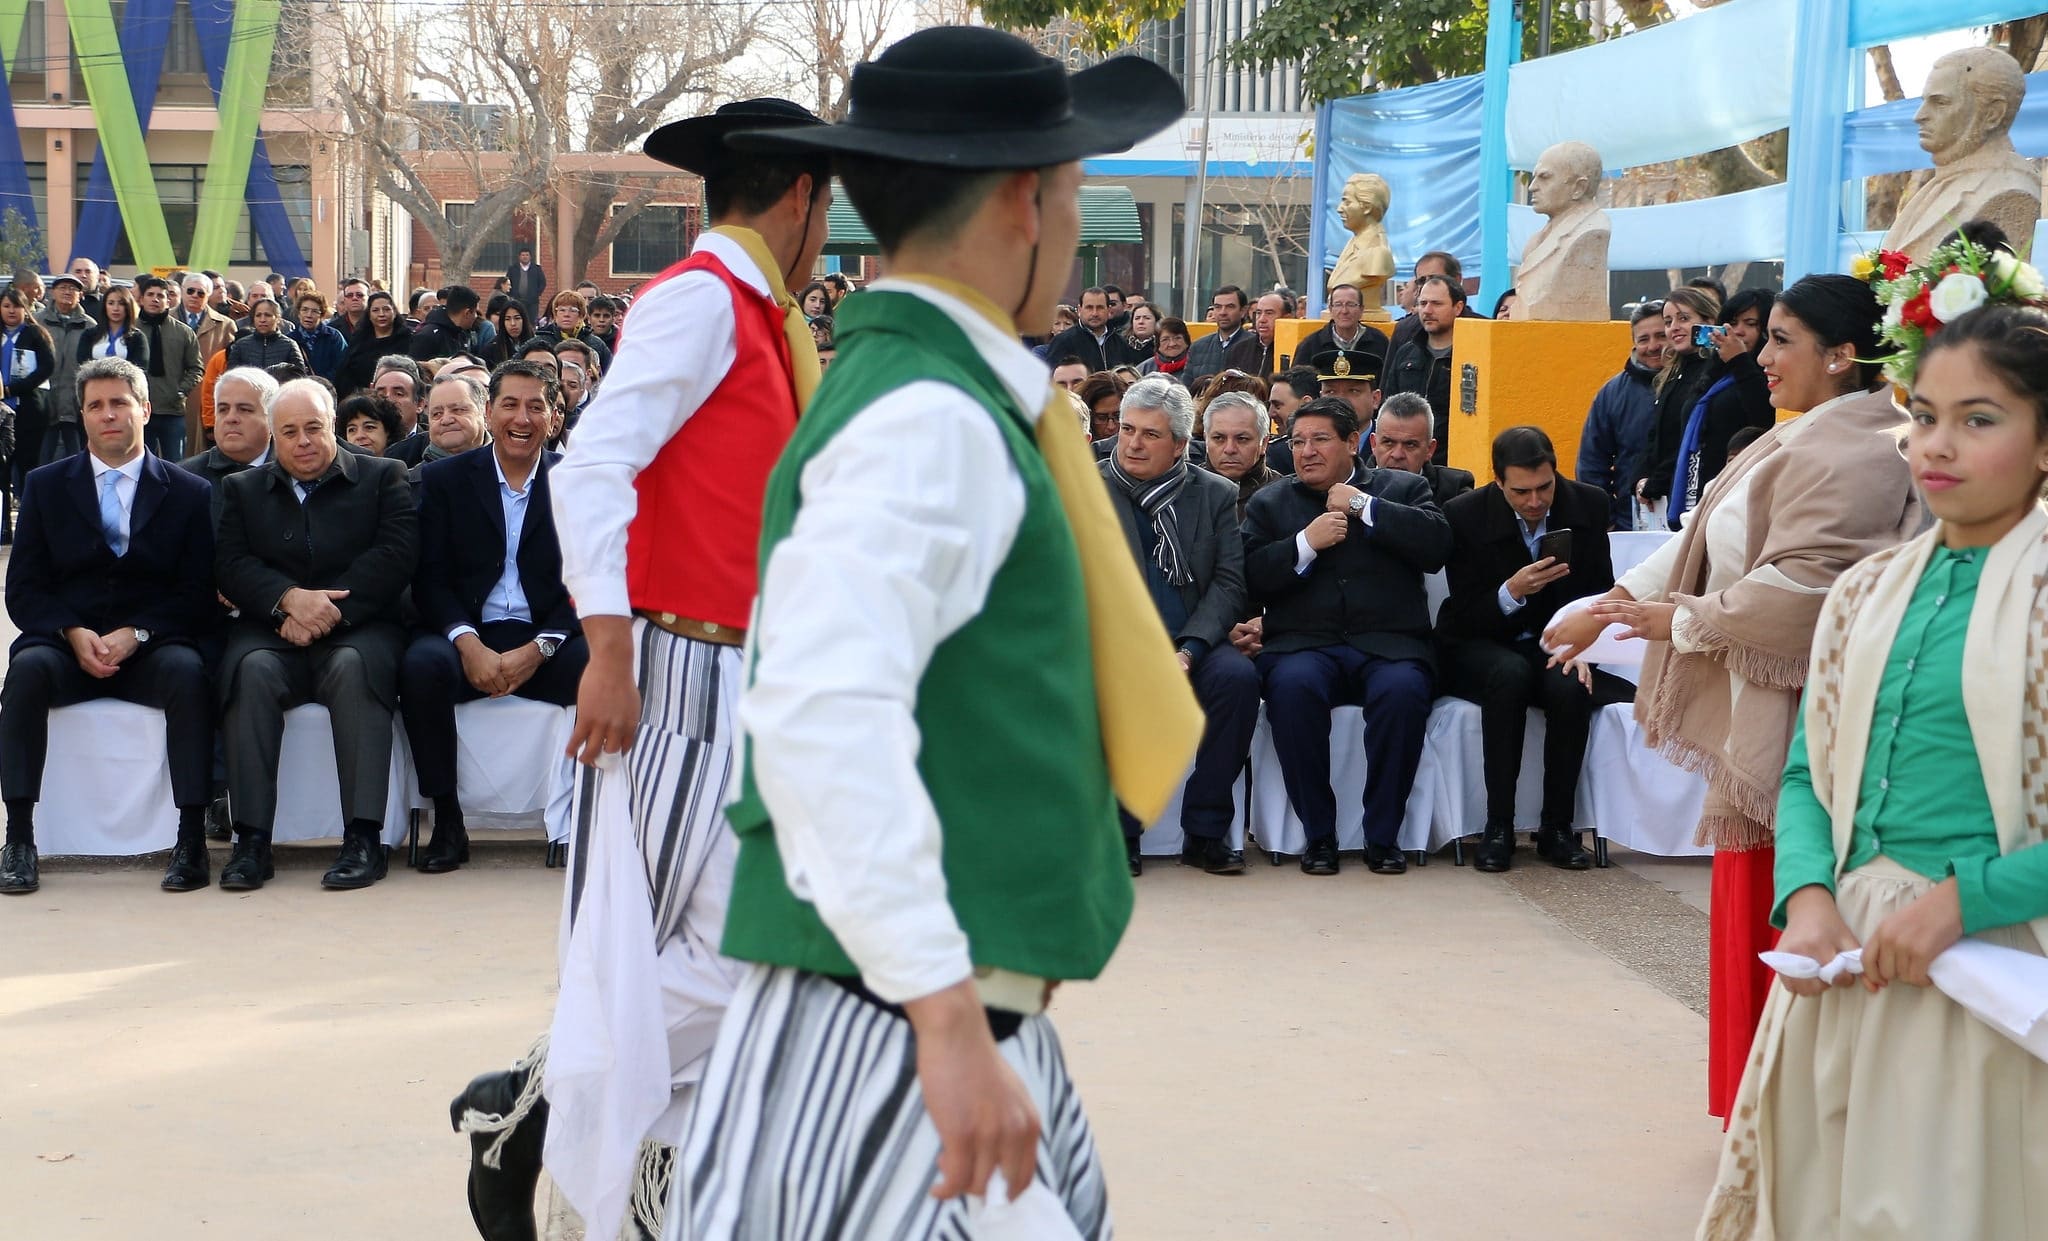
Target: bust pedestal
<point x="1528" y="373"/>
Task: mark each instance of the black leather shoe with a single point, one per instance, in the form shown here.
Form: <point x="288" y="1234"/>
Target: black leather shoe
<point x="501" y="1198"/>
<point x="1497" y="851"/>
<point x="19" y="872"/>
<point x="249" y="863"/>
<point x="1561" y="848"/>
<point x="362" y="863"/>
<point x="1136" y="859"/>
<point x="1213" y="856"/>
<point x="188" y="871"/>
<point x="1386" y="860"/>
<point x="447" y="851"/>
<point x="1320" y="858"/>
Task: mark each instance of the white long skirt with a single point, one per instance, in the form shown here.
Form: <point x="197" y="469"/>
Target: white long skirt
<point x="1888" y="1117"/>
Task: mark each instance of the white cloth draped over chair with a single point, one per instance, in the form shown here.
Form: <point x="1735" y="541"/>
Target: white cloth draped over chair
<point x="512" y="766"/>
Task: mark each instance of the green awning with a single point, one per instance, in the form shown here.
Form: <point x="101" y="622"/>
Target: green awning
<point x="1109" y="216"/>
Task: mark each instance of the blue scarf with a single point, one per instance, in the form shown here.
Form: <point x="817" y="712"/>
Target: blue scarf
<point x="1685" y="482"/>
<point x="12" y="401"/>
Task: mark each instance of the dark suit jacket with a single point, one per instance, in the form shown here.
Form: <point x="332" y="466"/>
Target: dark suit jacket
<point x="410" y="449"/>
<point x="1206" y="512"/>
<point x="62" y="573"/>
<point x="358" y="532"/>
<point x="1489" y="550"/>
<point x="1077" y="341"/>
<point x="462" y="545"/>
<point x="528" y="287"/>
<point x="1365" y="592"/>
<point x="1446" y="483"/>
<point x="213" y="465"/>
<point x="1208" y="356"/>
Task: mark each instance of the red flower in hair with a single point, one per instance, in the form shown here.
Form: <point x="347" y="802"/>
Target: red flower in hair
<point x="1918" y="313"/>
<point x="1894" y="263"/>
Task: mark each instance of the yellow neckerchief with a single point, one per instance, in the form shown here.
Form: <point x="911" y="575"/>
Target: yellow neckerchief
<point x="804" y="371"/>
<point x="1150" y="721"/>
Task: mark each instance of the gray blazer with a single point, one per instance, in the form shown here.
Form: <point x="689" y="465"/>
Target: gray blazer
<point x="1207" y="513"/>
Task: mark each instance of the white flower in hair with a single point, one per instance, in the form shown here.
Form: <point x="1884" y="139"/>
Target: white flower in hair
<point x="1895" y="313"/>
<point x="2017" y="278"/>
<point x="1958" y="294"/>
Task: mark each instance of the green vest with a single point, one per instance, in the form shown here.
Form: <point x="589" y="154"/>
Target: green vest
<point x="1011" y="751"/>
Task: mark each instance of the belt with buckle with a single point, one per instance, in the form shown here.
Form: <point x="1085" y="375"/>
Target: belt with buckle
<point x="697" y="630"/>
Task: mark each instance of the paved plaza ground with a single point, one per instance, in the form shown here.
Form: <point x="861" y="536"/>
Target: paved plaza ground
<point x="1444" y="1055"/>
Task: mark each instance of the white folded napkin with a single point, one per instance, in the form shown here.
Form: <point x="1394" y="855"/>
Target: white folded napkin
<point x="1792" y="965"/>
<point x="1609" y="648"/>
<point x="1036" y="1215"/>
<point x="2004" y="988"/>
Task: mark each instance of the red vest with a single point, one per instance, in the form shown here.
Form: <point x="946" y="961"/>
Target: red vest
<point x="694" y="545"/>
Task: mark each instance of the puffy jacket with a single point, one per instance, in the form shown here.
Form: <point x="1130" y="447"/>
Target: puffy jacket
<point x="265" y="351"/>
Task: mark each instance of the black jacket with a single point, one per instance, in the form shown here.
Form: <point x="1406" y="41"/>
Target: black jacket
<point x="1488" y="550"/>
<point x="1410" y="328"/>
<point x="1205" y="513"/>
<point x="555" y="336"/>
<point x="1365" y="592"/>
<point x="528" y="287"/>
<point x="138" y="350"/>
<point x="359" y="365"/>
<point x="462" y="545"/>
<point x="1209" y="356"/>
<point x="411" y="450"/>
<point x="1445" y="483"/>
<point x="62" y="573"/>
<point x="1675" y="399"/>
<point x="1322" y="341"/>
<point x="263" y="352"/>
<point x="1744" y="402"/>
<point x="1078" y="342"/>
<point x="1415" y="368"/>
<point x="438" y="337"/>
<point x="26" y="390"/>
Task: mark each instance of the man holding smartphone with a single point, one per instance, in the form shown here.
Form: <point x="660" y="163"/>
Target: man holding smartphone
<point x="1523" y="547"/>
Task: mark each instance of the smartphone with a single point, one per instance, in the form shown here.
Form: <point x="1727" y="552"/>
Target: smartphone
<point x="1706" y="336"/>
<point x="1556" y="545"/>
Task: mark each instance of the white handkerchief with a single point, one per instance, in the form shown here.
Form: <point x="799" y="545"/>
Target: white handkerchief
<point x="2005" y="988"/>
<point x="1036" y="1215"/>
<point x="1609" y="648"/>
<point x="1792" y="965"/>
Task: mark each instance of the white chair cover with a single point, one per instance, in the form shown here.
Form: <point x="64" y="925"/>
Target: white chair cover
<point x="107" y="784"/>
<point x="1165" y="837"/>
<point x="1273" y="817"/>
<point x="1637" y="797"/>
<point x="512" y="767"/>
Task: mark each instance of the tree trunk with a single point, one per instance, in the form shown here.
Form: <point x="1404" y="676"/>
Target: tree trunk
<point x="1883" y="194"/>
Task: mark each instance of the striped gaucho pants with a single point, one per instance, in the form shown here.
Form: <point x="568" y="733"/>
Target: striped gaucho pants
<point x="810" y="1126"/>
<point x="664" y="802"/>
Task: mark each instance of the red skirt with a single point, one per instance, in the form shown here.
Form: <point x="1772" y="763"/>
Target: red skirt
<point x="1739" y="924"/>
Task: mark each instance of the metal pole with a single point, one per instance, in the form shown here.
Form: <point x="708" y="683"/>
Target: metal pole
<point x="1544" y="17"/>
<point x="1191" y="232"/>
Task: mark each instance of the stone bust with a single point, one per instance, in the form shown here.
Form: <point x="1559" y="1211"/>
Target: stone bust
<point x="1965" y="119"/>
<point x="1564" y="269"/>
<point x="1367" y="261"/>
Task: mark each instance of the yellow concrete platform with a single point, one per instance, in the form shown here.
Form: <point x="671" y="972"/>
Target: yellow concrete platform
<point x="1524" y="373"/>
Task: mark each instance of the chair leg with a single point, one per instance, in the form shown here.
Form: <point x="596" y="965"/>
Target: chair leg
<point x="1421" y="857"/>
<point x="412" y="852"/>
<point x="554" y="858"/>
<point x="1600" y="851"/>
<point x="1458" y="851"/>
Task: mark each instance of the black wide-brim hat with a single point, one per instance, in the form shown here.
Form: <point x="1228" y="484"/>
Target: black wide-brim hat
<point x="699" y="144"/>
<point x="976" y="99"/>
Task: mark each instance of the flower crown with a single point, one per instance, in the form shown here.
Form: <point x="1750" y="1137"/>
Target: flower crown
<point x="1958" y="277"/>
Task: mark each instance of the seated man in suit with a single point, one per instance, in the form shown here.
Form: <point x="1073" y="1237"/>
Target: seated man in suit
<point x="241" y="428"/>
<point x="1404" y="438"/>
<point x="1181" y="523"/>
<point x="316" y="548"/>
<point x="456" y="418"/>
<point x="111" y="585"/>
<point x="489" y="591"/>
<point x="1503" y="592"/>
<point x="1336" y="556"/>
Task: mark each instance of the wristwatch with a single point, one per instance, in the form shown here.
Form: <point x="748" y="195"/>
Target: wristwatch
<point x="548" y="647"/>
<point x="1357" y="505"/>
<point x="141" y="635"/>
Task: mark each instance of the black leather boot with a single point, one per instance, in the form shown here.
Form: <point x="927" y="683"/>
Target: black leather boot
<point x="1497" y="851"/>
<point x="501" y="1198"/>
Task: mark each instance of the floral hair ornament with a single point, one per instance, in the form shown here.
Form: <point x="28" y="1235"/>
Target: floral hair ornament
<point x="1918" y="299"/>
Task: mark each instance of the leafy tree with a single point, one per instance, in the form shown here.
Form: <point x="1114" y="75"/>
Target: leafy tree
<point x="21" y="244"/>
<point x="1103" y="25"/>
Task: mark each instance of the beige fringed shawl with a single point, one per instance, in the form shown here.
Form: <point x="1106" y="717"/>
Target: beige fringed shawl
<point x="2005" y="680"/>
<point x="1824" y="491"/>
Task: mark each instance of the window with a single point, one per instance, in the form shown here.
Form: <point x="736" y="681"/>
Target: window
<point x="652" y="240"/>
<point x="178" y="187"/>
<point x="182" y="57"/>
<point x="496" y="256"/>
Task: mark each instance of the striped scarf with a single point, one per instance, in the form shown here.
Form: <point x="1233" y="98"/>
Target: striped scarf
<point x="1154" y="498"/>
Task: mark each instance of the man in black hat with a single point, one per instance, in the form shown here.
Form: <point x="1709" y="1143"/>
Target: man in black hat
<point x="927" y="818"/>
<point x="658" y="509"/>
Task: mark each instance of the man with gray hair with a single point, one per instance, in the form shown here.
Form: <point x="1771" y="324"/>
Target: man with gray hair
<point x="214" y="329"/>
<point x="1181" y="524"/>
<point x="242" y="399"/>
<point x="1404" y="438"/>
<point x="454" y="419"/>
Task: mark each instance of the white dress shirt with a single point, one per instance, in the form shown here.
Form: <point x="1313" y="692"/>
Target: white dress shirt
<point x="903" y="526"/>
<point x="682" y="344"/>
<point x="130" y="477"/>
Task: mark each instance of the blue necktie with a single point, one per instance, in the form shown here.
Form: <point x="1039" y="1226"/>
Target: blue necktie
<point x="110" y="512"/>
